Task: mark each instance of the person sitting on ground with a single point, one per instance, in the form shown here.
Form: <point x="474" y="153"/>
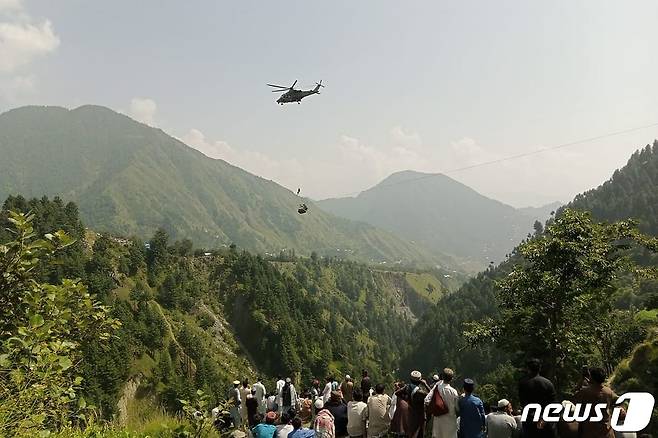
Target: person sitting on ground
<point x="356" y="417"/>
<point x="298" y="431"/>
<point x="339" y="411"/>
<point x="284" y="427"/>
<point x="266" y="429"/>
<point x="501" y="424"/>
<point x="377" y="412"/>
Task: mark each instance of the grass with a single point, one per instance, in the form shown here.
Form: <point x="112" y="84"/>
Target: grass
<point x="426" y="285"/>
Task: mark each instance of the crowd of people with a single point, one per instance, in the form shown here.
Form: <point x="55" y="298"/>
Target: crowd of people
<point x="414" y="409"/>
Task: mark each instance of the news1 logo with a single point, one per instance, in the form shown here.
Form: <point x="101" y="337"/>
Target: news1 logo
<point x="638" y="413"/>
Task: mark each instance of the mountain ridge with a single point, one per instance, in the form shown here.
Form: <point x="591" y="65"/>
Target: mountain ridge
<point x="441" y="212"/>
<point x="131" y="178"/>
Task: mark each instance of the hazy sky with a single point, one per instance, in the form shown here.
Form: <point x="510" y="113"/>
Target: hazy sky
<point x="431" y="86"/>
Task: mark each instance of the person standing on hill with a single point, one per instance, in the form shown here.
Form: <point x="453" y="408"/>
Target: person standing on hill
<point x="338" y="410"/>
<point x="236" y="401"/>
<point x="279" y="384"/>
<point x="377" y="413"/>
<point x="323" y="424"/>
<point x="328" y="387"/>
<point x="260" y="396"/>
<point x="471" y="413"/>
<point x="356" y="416"/>
<point x="535" y="388"/>
<point x="315" y="389"/>
<point x="501" y="424"/>
<point x="596" y="392"/>
<point x="365" y="384"/>
<point x="347" y="388"/>
<point x="445" y="425"/>
<point x="409" y="417"/>
<point x="244" y="392"/>
<point x="252" y="408"/>
<point x="288" y="396"/>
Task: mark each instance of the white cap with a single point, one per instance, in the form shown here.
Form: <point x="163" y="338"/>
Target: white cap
<point x="435" y="377"/>
<point x="319" y="404"/>
<point x="503" y="403"/>
<point x="416" y="375"/>
<point x="236" y="382"/>
<point x="288" y="380"/>
<point x="347" y="377"/>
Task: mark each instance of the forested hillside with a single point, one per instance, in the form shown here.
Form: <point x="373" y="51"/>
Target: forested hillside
<point x="630" y="193"/>
<point x="192" y="319"/>
<point x="441" y="213"/>
<point x="129" y="178"/>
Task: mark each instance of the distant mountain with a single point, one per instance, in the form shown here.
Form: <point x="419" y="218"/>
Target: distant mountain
<point x="631" y="192"/>
<point x="129" y="178"/>
<point x="541" y="213"/>
<point x="439" y="212"/>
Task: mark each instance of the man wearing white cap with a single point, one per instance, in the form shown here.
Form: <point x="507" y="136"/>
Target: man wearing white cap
<point x="347" y="388"/>
<point x="234" y="397"/>
<point x="501" y="424"/>
<point x="444" y="425"/>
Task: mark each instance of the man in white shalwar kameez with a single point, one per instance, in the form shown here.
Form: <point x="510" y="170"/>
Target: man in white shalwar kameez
<point x="445" y="426"/>
<point x="260" y="396"/>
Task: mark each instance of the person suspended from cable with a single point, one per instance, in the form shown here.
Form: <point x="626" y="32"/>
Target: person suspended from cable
<point x="303" y="208"/>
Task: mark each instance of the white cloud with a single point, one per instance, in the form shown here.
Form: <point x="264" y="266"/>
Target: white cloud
<point x="143" y="110"/>
<point x="350" y="165"/>
<point x="21" y="43"/>
<point x="22" y="40"/>
<point x="10" y="6"/>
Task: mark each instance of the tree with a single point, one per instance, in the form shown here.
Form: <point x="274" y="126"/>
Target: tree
<point x="556" y="302"/>
<point x="42" y="328"/>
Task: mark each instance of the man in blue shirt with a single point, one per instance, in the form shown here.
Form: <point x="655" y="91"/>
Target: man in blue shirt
<point x="471" y="413"/>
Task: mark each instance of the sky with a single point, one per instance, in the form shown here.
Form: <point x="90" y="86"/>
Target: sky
<point x="432" y="86"/>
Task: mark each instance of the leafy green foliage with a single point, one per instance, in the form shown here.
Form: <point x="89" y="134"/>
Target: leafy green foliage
<point x="628" y="193"/>
<point x="562" y="295"/>
<point x="42" y="327"/>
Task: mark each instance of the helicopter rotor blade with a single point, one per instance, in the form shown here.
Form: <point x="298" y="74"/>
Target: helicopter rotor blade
<point x="293" y="84"/>
<point x="280" y="91"/>
<point x="277" y="86"/>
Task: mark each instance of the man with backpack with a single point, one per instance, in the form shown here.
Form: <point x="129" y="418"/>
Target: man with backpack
<point x="441" y="403"/>
<point x="288" y="396"/>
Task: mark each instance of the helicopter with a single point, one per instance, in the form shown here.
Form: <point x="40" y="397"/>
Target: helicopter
<point x="291" y="95"/>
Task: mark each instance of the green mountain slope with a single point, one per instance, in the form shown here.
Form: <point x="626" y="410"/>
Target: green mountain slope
<point x="195" y="321"/>
<point x="442" y="213"/>
<point x="129" y="178"/>
<point x="631" y="192"/>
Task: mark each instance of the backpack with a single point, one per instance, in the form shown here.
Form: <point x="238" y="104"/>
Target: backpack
<point x="285" y="395"/>
<point x="437" y="406"/>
